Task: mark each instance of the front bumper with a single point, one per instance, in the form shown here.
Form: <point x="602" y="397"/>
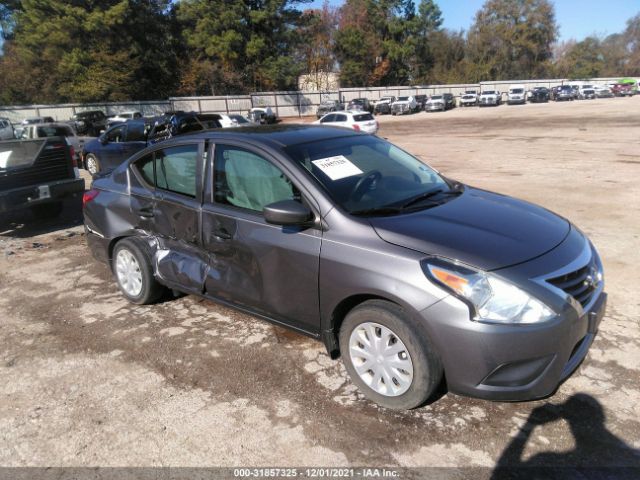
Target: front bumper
<point x="509" y="362"/>
<point x="400" y="109"/>
<point x="432" y="107"/>
<point x="48" y="192"/>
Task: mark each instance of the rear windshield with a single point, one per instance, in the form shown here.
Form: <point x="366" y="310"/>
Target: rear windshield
<point x="436" y="97"/>
<point x="403" y="99"/>
<point x="55" y="131"/>
<point x="517" y="90"/>
<point x="363" y="117"/>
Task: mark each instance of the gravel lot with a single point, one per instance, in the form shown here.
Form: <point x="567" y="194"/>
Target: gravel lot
<point x="87" y="379"/>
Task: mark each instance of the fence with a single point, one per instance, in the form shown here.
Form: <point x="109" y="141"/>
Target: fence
<point x="285" y="104"/>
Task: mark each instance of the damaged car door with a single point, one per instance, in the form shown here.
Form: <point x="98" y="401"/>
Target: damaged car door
<point x="172" y="213"/>
<point x="268" y="269"/>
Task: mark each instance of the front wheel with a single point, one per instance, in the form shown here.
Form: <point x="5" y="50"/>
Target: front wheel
<point x="131" y="265"/>
<point x="389" y="359"/>
<point x="92" y="164"/>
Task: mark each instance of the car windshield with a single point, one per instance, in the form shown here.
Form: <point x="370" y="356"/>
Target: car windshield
<point x="517" y="90"/>
<point x="436" y="97"/>
<point x="55" y="131"/>
<point x="366" y="173"/>
<point x="403" y="99"/>
<point x="489" y="92"/>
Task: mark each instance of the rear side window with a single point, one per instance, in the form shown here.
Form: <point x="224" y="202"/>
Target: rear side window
<point x="365" y="117"/>
<point x="340" y="118"/>
<point x="176" y="169"/>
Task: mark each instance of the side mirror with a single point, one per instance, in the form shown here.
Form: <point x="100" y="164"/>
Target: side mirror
<point x="103" y="140"/>
<point x="287" y="212"/>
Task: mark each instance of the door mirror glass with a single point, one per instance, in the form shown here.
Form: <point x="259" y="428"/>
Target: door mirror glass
<point x="287" y="212"/>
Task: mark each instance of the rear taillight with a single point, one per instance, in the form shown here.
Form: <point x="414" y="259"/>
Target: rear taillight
<point x="74" y="160"/>
<point x="356" y="127"/>
<point x="89" y="196"/>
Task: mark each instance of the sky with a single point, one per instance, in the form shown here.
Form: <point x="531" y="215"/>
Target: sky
<point x="577" y="19"/>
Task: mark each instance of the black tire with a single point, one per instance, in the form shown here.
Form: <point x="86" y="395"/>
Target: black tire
<point x="427" y="367"/>
<point x="92" y="164"/>
<point x="151" y="290"/>
<point x="47" y="210"/>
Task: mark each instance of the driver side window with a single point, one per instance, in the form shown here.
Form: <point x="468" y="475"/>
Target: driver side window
<point x="246" y="180"/>
<point x="116" y="134"/>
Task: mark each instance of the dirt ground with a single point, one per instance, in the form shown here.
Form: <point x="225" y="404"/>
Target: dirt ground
<point x="87" y="379"/>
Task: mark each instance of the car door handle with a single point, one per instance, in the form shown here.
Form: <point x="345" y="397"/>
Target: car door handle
<point x="221" y="235"/>
<point x="146" y="212"/>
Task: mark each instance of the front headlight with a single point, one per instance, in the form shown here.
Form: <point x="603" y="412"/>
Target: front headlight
<point x="492" y="300"/>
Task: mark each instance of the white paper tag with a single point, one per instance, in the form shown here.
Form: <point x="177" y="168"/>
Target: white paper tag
<point x="337" y="167"/>
<point x="4" y="158"/>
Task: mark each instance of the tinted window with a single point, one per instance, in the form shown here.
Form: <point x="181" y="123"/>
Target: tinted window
<point x="116" y="134"/>
<point x="54" y="131"/>
<point x="145" y="168"/>
<point x="340" y="118"/>
<point x="135" y="132"/>
<point x="176" y="169"/>
<point x="329" y="118"/>
<point x="363" y="117"/>
<point x="246" y="180"/>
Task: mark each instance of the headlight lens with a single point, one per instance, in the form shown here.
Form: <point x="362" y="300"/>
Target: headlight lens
<point x="494" y="300"/>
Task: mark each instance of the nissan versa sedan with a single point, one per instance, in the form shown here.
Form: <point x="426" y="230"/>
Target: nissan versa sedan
<point x="412" y="278"/>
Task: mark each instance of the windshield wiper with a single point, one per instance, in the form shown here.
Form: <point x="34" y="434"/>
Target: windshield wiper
<point x="377" y="211"/>
<point x="428" y="195"/>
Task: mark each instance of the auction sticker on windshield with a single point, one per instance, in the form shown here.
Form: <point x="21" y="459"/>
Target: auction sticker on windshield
<point x="337" y="167"/>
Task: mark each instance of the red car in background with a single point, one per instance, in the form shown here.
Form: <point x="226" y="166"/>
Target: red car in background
<point x="622" y="90"/>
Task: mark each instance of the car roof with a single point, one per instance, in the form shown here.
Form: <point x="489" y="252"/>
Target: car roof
<point x="274" y="135"/>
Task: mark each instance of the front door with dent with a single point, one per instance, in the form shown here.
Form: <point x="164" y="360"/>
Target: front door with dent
<point x="269" y="269"/>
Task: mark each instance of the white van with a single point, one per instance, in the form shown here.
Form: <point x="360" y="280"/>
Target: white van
<point x="6" y="129"/>
<point x="517" y="94"/>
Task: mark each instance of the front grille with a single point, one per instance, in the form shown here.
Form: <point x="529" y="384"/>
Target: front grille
<point x="581" y="284"/>
<point x="52" y="164"/>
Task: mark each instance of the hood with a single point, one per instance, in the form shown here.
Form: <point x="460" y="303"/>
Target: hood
<point x="479" y="228"/>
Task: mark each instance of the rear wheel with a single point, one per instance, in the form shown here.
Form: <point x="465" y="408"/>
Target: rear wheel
<point x="389" y="359"/>
<point x="132" y="267"/>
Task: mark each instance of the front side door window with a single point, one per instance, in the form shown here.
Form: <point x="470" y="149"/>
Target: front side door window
<point x="245" y="180"/>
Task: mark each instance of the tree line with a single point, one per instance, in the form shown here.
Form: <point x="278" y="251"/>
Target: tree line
<point x="57" y="51"/>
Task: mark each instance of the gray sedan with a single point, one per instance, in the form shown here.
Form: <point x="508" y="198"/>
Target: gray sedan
<point x="412" y="278"/>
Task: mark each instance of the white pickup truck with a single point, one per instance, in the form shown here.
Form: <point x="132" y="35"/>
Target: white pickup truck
<point x="469" y="99"/>
<point x="490" y="97"/>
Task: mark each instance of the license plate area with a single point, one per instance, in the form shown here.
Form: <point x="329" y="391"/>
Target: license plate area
<point x="44" y="192"/>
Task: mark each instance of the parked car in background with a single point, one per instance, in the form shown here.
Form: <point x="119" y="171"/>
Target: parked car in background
<point x="233" y="120"/>
<point x="38" y="174"/>
<point x="123" y="117"/>
<point x="383" y="106"/>
<point x="576" y="91"/>
<point x="114" y="146"/>
<point x="517" y="95"/>
<point x="469" y="99"/>
<point x="421" y="101"/>
<point x="357" y="120"/>
<point x="587" y="93"/>
<point x="34" y="120"/>
<point x="410" y="277"/>
<point x="440" y="102"/>
<point x="45" y="130"/>
<point x="328" y="106"/>
<point x="360" y="104"/>
<point x="602" y="91"/>
<point x="631" y="82"/>
<point x="90" y="122"/>
<point x="539" y="95"/>
<point x="404" y="105"/>
<point x="262" y="115"/>
<point x="622" y="90"/>
<point x="6" y="129"/>
<point x="490" y="97"/>
<point x="563" y="92"/>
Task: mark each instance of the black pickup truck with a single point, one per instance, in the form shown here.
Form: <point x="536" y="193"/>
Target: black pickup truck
<point x="38" y="174"/>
